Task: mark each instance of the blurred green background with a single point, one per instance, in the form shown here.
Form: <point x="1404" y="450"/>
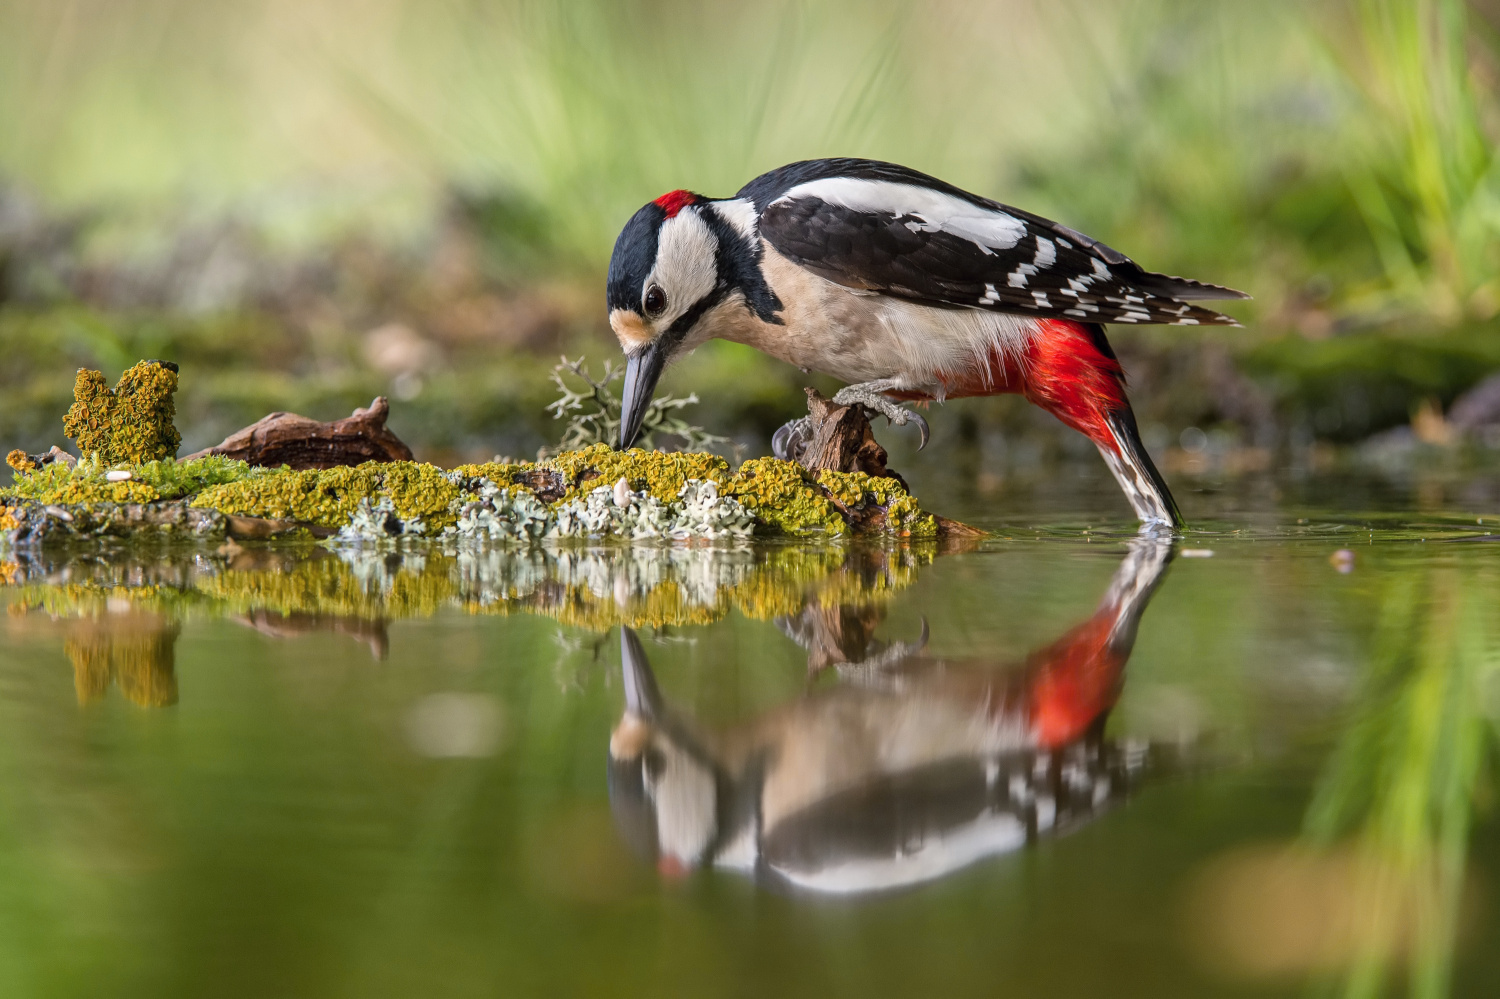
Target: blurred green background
<point x="309" y="202"/>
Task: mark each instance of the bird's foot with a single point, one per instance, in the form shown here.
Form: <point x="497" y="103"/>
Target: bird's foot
<point x="876" y="404"/>
<point x="791" y="438"/>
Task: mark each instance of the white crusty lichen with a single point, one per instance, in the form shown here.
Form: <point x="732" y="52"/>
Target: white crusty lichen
<point x="378" y="522"/>
<point x="490" y="513"/>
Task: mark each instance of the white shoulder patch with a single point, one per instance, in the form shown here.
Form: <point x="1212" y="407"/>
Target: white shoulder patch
<point x="932" y="211"/>
<point x="686" y="265"/>
<point x="739" y="213"/>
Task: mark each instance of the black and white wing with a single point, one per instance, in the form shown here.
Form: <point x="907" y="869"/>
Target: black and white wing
<point x="880" y="227"/>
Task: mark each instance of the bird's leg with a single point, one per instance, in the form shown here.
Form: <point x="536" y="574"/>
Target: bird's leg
<point x="792" y="438"/>
<point x="871" y="396"/>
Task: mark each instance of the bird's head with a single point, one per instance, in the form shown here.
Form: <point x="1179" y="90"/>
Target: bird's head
<point x="676" y="259"/>
<point x="663" y="277"/>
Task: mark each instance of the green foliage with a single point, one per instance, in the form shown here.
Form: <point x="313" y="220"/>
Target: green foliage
<point x="593" y="411"/>
<point x="1423" y="167"/>
<point x="1403" y="781"/>
<point x="131" y="424"/>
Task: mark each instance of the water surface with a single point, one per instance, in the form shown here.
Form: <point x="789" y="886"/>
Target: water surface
<point x="1065" y="762"/>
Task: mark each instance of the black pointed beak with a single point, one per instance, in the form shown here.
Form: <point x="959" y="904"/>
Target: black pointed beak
<point x="641" y="696"/>
<point x="641" y="373"/>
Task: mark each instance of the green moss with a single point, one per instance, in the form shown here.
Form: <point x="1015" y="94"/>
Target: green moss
<point x="150" y="481"/>
<point x="132" y="423"/>
<point x="329" y="496"/>
<point x="173" y="479"/>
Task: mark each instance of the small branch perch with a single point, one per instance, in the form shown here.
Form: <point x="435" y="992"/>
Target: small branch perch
<point x="289" y="439"/>
<point x="840" y="440"/>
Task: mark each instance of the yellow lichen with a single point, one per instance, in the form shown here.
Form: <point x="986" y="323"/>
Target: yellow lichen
<point x="132" y="423"/>
<point x="858" y="491"/>
<point x="782" y="496"/>
<point x="135" y="652"/>
<point x="87" y="482"/>
<point x="83" y="599"/>
<point x="19" y="460"/>
<point x="498" y="472"/>
<point x="780" y="584"/>
<point x="418" y="491"/>
<point x="328" y="586"/>
<point x="328" y="497"/>
<point x="85" y="491"/>
<point x="660" y="473"/>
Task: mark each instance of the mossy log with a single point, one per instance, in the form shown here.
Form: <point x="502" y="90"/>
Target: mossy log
<point x="302" y="443"/>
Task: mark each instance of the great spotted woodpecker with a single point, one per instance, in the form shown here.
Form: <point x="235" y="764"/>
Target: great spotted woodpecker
<point x="904" y="286"/>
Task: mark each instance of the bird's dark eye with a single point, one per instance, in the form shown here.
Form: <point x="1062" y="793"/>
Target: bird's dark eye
<point x="655" y="300"/>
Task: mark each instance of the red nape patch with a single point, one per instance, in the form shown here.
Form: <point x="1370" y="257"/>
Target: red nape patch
<point x="1072" y="377"/>
<point x="675" y="201"/>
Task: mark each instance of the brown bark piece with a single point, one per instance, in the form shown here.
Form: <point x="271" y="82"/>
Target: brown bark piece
<point x="841" y="439"/>
<point x="547" y="484"/>
<point x="300" y="442"/>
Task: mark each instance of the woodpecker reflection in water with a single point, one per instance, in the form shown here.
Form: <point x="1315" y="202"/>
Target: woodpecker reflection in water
<point x="907" y="770"/>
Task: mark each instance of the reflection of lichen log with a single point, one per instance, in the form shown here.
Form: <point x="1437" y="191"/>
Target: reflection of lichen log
<point x="289" y="439"/>
<point x="135" y="651"/>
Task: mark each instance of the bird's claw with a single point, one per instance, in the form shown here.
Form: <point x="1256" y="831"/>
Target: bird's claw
<point x="922" y="428"/>
<point x="790" y="440"/>
<point x="877" y="404"/>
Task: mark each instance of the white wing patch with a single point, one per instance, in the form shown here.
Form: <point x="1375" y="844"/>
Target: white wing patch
<point x="931" y="211"/>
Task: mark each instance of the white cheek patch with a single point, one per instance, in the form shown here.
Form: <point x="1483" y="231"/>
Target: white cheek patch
<point x="686" y="264"/>
<point x="931" y="211"/>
